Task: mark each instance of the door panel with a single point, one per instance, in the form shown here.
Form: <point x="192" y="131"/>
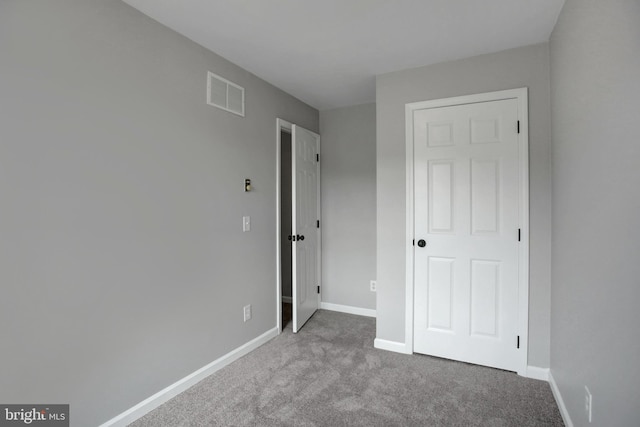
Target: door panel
<point x="305" y="213"/>
<point x="466" y="207"/>
<point x="485" y="295"/>
<point x="440" y="196"/>
<point x="440" y="293"/>
<point x="485" y="196"/>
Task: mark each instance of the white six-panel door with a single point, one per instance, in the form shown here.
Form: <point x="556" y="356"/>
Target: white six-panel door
<point x="466" y="228"/>
<point x="305" y="214"/>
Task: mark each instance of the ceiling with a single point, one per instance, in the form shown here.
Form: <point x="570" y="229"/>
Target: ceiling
<point x="328" y="52"/>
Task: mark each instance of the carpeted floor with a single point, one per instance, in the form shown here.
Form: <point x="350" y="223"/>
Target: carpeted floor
<point x="329" y="374"/>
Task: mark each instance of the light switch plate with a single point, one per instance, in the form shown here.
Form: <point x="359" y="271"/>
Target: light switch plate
<point x="246" y="223"/>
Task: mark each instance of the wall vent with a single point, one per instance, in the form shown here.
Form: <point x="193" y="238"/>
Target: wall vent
<point x="224" y="94"/>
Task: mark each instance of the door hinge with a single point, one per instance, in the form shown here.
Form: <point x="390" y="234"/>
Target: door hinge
<point x="317" y="157"/>
<point x="518" y="234"/>
<point x="518" y="342"/>
<point x="318" y="223"/>
<point x="318" y="289"/>
<point x="518" y="126"/>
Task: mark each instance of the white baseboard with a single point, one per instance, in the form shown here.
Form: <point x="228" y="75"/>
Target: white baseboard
<point x="397" y="347"/>
<point x="348" y="309"/>
<point x="537" y="373"/>
<point x="151" y="403"/>
<point x="287" y="299"/>
<point x="563" y="409"/>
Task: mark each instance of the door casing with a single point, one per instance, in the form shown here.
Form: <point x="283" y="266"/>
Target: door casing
<point x="521" y="95"/>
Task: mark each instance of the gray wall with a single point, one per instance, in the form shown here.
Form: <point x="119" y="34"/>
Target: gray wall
<point x="123" y="264"/>
<point x="526" y="66"/>
<point x="348" y="168"/>
<point x="595" y="71"/>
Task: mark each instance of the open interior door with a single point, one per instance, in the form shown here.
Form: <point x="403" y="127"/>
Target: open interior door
<point x="305" y="206"/>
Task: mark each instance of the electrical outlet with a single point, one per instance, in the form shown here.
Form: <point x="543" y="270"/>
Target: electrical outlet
<point x="588" y="403"/>
<point x="247" y="312"/>
<point x="372" y="286"/>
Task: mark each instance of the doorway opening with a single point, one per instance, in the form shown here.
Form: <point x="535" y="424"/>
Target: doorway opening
<point x="286" y="255"/>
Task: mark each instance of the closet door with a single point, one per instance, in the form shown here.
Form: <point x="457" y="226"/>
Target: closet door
<point x="466" y="213"/>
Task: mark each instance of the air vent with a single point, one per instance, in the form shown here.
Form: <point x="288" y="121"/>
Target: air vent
<point x="224" y="94"/>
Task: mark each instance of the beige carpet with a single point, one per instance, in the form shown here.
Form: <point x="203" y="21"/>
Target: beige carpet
<point x="329" y="374"/>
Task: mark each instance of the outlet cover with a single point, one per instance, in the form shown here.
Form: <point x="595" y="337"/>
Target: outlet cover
<point x="372" y="286"/>
<point x="247" y="312"/>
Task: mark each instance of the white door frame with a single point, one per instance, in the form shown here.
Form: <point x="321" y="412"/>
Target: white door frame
<point x="521" y="95"/>
<point x="283" y="125"/>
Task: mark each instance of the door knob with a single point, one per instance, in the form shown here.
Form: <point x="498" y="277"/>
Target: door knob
<point x="301" y="237"/>
<point x="422" y="243"/>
